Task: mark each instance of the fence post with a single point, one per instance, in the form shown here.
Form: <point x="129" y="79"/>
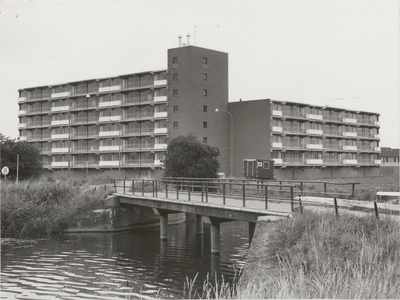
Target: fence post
<point x="325" y="188"/>
<point x="124" y="186"/>
<point x="142" y="187"/>
<point x="206" y="191"/>
<point x="202" y="192"/>
<point x="353" y="190"/>
<point x="376" y="209"/>
<point x="291" y="199"/>
<point x="244" y="195"/>
<point x="280" y="185"/>
<point x="133" y="187"/>
<point x="156" y="188"/>
<point x="300" y="205"/>
<point x="301" y="186"/>
<point x="189" y="191"/>
<point x="336" y="207"/>
<point x="152" y="183"/>
<point x="166" y="189"/>
<point x="177" y="191"/>
<point x="266" y="197"/>
<point x="223" y="192"/>
<point x="115" y="185"/>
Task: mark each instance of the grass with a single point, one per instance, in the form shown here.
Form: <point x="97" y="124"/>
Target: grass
<point x="36" y="208"/>
<point x="318" y="255"/>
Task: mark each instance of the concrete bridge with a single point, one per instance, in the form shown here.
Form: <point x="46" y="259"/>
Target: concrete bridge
<point x="209" y="201"/>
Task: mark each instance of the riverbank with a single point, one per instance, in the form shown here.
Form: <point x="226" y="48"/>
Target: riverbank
<point x="37" y="208"/>
<point x="319" y="255"/>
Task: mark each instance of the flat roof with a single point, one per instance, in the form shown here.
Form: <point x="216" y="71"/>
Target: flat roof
<point x="93" y="79"/>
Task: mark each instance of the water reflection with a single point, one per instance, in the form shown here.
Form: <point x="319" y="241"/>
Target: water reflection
<point x="120" y="265"/>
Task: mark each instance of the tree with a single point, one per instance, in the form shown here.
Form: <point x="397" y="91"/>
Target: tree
<point x="29" y="165"/>
<point x="187" y="157"/>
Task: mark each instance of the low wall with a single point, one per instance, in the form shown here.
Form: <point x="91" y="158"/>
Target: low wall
<point x="320" y="173"/>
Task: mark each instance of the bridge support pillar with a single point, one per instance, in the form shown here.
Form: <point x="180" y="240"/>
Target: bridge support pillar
<point x="252" y="227"/>
<point x="163" y="226"/>
<point x="215" y="234"/>
<point x="199" y="224"/>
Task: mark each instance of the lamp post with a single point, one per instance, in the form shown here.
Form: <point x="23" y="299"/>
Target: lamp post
<point x="218" y="110"/>
<point x="69" y="136"/>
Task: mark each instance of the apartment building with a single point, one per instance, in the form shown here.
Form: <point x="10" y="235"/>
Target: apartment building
<point x="306" y="140"/>
<point x="122" y="123"/>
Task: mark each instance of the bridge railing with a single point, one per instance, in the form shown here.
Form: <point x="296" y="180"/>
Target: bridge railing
<point x="174" y="188"/>
<point x="321" y="188"/>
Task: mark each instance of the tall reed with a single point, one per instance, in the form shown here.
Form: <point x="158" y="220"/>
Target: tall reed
<point x="35" y="208"/>
<point x="317" y="255"/>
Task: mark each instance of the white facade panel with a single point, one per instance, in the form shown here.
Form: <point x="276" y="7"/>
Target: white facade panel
<point x="62" y="94"/>
<point x="110" y="119"/>
<point x="61" y="136"/>
<point x="59" y="150"/>
<point x="109" y="133"/>
<point x="314" y="117"/>
<point x="314" y="146"/>
<point x="109" y="88"/>
<point x="314" y="161"/>
<point x="314" y="131"/>
<point x="110" y="103"/>
<point x="276" y="145"/>
<point x="60" y="122"/>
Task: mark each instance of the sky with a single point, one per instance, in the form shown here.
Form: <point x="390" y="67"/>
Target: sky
<point x="338" y="53"/>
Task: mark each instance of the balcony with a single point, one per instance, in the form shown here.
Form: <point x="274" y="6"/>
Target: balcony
<point x="377" y="123"/>
<point x="60" y="108"/>
<point x="277" y="129"/>
<point x="158" y="99"/>
<point x="21" y="99"/>
<point x="110" y="119"/>
<point x="314" y="146"/>
<point x="377" y="136"/>
<point x="109" y="88"/>
<point x="159" y="115"/>
<point x="349" y="161"/>
<point x="160" y="82"/>
<point x="347" y="120"/>
<point x="160" y="146"/>
<point x="109" y="148"/>
<point x="110" y="103"/>
<point x="314" y="117"/>
<point x="23" y="138"/>
<point x="109" y="163"/>
<point x="314" y="161"/>
<point x="278" y="161"/>
<point x="350" y="134"/>
<point x="22" y="125"/>
<point x="377" y="149"/>
<point x="59" y="164"/>
<point x="158" y="162"/>
<point x="22" y="112"/>
<point x="349" y="148"/>
<point x="59" y="150"/>
<point x="377" y="162"/>
<point x="59" y="122"/>
<point x="162" y="130"/>
<point x="59" y="95"/>
<point x="314" y="131"/>
<point x="277" y="113"/>
<point x="62" y="136"/>
<point x="109" y="133"/>
<point x="276" y="145"/>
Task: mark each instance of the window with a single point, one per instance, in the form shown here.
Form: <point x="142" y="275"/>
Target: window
<point x="175" y="76"/>
<point x="204" y="108"/>
<point x="204" y="76"/>
<point x="204" y="60"/>
<point x="175" y="60"/>
<point x="266" y="165"/>
<point x="175" y="125"/>
<point x="205" y="140"/>
<point x="175" y="108"/>
<point x="204" y="124"/>
<point x="204" y="92"/>
<point x="175" y="93"/>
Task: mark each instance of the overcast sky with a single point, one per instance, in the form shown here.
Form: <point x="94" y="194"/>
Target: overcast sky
<point x="336" y="53"/>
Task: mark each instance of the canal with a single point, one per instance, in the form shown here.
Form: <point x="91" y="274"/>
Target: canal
<point x="120" y="265"/>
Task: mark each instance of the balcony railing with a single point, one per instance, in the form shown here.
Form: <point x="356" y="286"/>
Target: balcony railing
<point x="22" y="112"/>
<point x="110" y="118"/>
<point x="160" y="82"/>
<point x="60" y="108"/>
<point x="158" y="99"/>
<point x="163" y="130"/>
<point x="110" y="103"/>
<point x="60" y="122"/>
<point x="109" y="88"/>
<point x="162" y="114"/>
<point x="109" y="133"/>
<point x="21" y="99"/>
<point x="59" y="164"/>
<point x="60" y="136"/>
<point x="62" y="94"/>
<point x="109" y="148"/>
<point x="59" y="150"/>
<point x="160" y="146"/>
